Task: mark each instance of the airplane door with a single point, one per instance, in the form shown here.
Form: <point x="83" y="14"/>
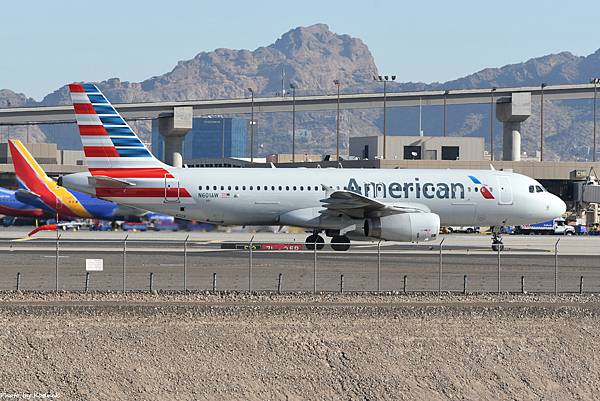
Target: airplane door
<point x="504" y="190"/>
<point x="171" y="190"/>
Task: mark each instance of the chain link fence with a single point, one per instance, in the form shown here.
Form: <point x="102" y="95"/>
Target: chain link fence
<point x="187" y="265"/>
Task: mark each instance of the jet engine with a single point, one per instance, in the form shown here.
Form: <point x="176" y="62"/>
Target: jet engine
<point x="404" y="227"/>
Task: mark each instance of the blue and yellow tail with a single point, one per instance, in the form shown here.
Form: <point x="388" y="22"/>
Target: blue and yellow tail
<point x="32" y="177"/>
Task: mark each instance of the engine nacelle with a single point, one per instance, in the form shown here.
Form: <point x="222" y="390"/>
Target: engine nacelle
<point x="404" y="227"/>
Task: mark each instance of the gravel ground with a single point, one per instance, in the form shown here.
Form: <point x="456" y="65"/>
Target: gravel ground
<point x="75" y="346"/>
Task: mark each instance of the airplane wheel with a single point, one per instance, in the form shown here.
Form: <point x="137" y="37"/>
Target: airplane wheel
<point x="310" y="242"/>
<point x="340" y="243"/>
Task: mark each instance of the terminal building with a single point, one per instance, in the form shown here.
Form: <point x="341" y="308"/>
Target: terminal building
<point x="209" y="138"/>
<point x="418" y="148"/>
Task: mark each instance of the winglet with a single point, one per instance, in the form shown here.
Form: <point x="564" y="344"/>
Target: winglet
<point x="492" y="167"/>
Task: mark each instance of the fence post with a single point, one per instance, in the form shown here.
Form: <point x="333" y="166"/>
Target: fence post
<point x="185" y="264"/>
<point x="18" y="281"/>
<point x="151" y="282"/>
<point x="522" y="284"/>
<point x="315" y="266"/>
<point x="214" y="283"/>
<point x="379" y="267"/>
<point x="341" y="284"/>
<point x="580" y="285"/>
<point x="404" y="284"/>
<point x="498" y="251"/>
<point x="125" y="263"/>
<point x="440" y="269"/>
<point x="556" y="267"/>
<point x="465" y="284"/>
<point x="87" y="281"/>
<point x="57" y="257"/>
<point x="250" y="265"/>
<point x="279" y="283"/>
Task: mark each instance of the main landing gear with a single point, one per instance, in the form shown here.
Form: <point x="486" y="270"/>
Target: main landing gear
<point x="338" y="242"/>
<point x="315" y="239"/>
<point x="497" y="244"/>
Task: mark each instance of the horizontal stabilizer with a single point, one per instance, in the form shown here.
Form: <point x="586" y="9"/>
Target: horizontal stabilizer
<point x="101" y="181"/>
<point x="26" y="196"/>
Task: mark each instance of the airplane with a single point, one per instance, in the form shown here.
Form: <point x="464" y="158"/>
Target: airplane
<point x="405" y="205"/>
<point x="11" y="206"/>
<point x="37" y="189"/>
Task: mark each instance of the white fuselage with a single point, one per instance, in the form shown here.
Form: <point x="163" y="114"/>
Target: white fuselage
<point x="258" y="196"/>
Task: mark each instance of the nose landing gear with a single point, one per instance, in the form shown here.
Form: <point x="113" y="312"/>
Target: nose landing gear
<point x="497" y="244"/>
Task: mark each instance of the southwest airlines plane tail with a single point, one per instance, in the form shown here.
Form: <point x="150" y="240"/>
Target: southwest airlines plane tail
<point x="32" y="177"/>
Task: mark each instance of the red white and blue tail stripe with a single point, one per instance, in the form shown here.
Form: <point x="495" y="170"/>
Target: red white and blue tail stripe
<point x="112" y="149"/>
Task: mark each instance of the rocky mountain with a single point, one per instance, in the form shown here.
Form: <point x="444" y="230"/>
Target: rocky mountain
<point x="312" y="57"/>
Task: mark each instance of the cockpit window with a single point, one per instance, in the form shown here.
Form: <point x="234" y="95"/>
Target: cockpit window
<point x="539" y="188"/>
<point x="531" y="189"/>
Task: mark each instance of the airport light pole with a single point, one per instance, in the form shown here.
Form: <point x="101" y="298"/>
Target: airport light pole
<point x="337" y="121"/>
<point x="492" y="123"/>
<point x="293" y="88"/>
<point x="542" y="122"/>
<point x="251" y="126"/>
<point x="595" y="81"/>
<point x="385" y="80"/>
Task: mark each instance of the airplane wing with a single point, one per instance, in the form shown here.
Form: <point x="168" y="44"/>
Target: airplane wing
<point x="359" y="206"/>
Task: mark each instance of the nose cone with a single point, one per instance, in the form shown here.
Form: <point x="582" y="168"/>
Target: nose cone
<point x="555" y="207"/>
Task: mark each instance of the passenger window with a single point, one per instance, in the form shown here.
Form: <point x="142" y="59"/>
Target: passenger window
<point x="214" y="188"/>
<point x="301" y="188"/>
<point x="251" y="187"/>
<point x="316" y="188"/>
<point x="236" y="187"/>
<point x="273" y="188"/>
<point x="258" y="187"/>
<point x="294" y="188"/>
<point x="266" y="187"/>
<point x="280" y="187"/>
<point x="287" y="188"/>
<point x="243" y="188"/>
<point x="476" y="189"/>
<point x="229" y="188"/>
<point x="531" y="189"/>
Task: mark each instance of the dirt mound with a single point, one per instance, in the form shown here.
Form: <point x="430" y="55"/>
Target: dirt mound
<point x="175" y="347"/>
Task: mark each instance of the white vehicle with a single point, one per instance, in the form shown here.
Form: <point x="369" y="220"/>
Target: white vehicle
<point x="463" y="229"/>
<point x="555" y="226"/>
<point x="397" y="205"/>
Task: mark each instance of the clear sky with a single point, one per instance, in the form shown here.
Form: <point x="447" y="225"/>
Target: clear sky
<point x="46" y="44"/>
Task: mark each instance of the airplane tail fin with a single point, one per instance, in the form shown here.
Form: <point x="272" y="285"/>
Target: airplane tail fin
<point x="111" y="147"/>
<point x="33" y="178"/>
<point x="29" y="173"/>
